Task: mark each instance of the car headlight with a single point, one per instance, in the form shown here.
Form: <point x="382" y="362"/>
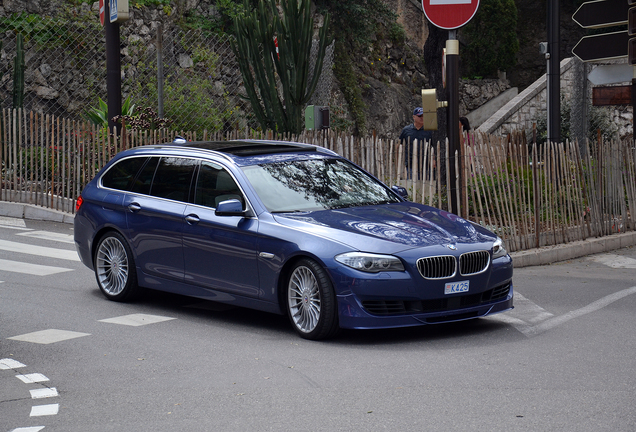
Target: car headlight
<point x="371" y="263"/>
<point x="498" y="249"/>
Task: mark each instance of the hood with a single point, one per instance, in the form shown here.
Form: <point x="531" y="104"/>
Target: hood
<point x="397" y="227"/>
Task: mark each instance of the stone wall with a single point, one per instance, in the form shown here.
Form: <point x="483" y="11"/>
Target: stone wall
<point x="531" y="104"/>
<point x="522" y="111"/>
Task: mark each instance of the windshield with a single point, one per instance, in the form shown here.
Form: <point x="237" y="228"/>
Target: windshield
<point x="317" y="184"/>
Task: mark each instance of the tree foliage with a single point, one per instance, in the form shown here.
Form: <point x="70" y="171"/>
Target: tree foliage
<point x="263" y="68"/>
<point x="491" y="39"/>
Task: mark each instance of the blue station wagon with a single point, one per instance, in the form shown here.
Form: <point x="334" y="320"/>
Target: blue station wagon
<point x="287" y="228"/>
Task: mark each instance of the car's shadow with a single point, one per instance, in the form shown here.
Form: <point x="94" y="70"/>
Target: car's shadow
<point x="278" y="326"/>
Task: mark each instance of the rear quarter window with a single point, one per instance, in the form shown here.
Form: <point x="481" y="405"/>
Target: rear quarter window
<point x="121" y="175"/>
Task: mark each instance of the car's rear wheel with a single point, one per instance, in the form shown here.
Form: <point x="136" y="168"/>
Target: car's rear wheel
<point x="311" y="301"/>
<point x="115" y="268"/>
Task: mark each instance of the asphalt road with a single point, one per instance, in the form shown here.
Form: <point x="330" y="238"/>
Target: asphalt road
<point x="70" y="360"/>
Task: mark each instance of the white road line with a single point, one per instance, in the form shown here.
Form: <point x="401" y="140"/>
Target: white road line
<point x="33" y="269"/>
<point x="48" y="336"/>
<point x="592" y="307"/>
<point x="43" y="393"/>
<point x="11" y="222"/>
<point x="10" y="246"/>
<point x="29" y="429"/>
<point x="529" y="329"/>
<point x="47" y="235"/>
<point x="614" y="261"/>
<point x="7" y="363"/>
<point x="136" y="319"/>
<point x="32" y="378"/>
<point x="45" y="410"/>
<point x="528" y="311"/>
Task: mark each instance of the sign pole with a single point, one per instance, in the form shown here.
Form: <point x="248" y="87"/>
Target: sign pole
<point x="634" y="106"/>
<point x="452" y="82"/>
<point x="113" y="69"/>
<point x="554" y="73"/>
<point x="451" y="15"/>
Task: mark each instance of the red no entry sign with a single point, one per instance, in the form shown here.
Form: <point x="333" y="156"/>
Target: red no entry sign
<point x="449" y="14"/>
<point x="101" y="11"/>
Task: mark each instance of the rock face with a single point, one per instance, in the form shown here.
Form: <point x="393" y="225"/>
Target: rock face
<point x="392" y="75"/>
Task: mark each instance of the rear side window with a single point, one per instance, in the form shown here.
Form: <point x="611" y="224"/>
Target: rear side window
<point x="143" y="181"/>
<point x="172" y="178"/>
<point x="121" y="175"/>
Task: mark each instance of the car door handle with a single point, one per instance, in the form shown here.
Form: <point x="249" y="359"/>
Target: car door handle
<point x="192" y="219"/>
<point x="134" y="207"/>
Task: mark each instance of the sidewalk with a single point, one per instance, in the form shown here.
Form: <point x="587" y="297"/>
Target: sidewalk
<point x="531" y="257"/>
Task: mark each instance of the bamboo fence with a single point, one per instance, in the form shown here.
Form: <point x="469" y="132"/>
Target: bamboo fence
<point x="529" y="195"/>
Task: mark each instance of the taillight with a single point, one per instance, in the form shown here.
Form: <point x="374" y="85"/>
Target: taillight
<point x="78" y="203"/>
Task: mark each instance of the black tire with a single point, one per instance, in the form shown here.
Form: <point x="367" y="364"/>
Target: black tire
<point x="115" y="268"/>
<point x="311" y="302"/>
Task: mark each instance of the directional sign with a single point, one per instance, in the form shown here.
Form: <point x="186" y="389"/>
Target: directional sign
<point x="601" y="13"/>
<point x="611" y="74"/>
<point x="602" y="46"/>
<point x="449" y="14"/>
<point x="618" y="95"/>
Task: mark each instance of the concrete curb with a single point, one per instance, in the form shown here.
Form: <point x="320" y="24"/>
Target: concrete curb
<point x="577" y="249"/>
<point x="527" y="258"/>
<point x="28" y="211"/>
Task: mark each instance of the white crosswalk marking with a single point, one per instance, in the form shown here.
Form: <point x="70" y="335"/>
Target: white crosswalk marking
<point x="6" y="222"/>
<point x="43" y="393"/>
<point x="45" y="410"/>
<point x="43" y="251"/>
<point x="33" y="269"/>
<point x="136" y="319"/>
<point x="24" y="267"/>
<point x="32" y="378"/>
<point x="48" y="336"/>
<point x="46" y="235"/>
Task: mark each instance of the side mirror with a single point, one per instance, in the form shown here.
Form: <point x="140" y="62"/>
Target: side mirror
<point x="232" y="207"/>
<point x="400" y="191"/>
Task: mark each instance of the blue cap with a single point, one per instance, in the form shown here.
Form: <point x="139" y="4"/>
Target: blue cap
<point x="418" y="111"/>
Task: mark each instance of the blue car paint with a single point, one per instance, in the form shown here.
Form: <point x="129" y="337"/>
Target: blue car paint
<point x="265" y="243"/>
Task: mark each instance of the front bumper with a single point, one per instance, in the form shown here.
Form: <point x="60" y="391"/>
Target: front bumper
<point x="353" y="315"/>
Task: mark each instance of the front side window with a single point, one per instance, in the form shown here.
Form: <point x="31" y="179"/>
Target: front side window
<point x="214" y="185"/>
<point x="316" y="184"/>
<point x="172" y="178"/>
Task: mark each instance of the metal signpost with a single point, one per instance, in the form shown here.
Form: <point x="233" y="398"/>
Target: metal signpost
<point x="607" y="13"/>
<point x="450" y="15"/>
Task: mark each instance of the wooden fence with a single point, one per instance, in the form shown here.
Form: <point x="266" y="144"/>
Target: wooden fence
<point x="529" y="195"/>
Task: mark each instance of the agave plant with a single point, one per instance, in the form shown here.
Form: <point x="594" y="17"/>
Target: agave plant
<point x="99" y="116"/>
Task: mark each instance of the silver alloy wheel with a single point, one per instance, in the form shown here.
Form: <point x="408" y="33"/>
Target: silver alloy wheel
<point x="112" y="266"/>
<point x="303" y="296"/>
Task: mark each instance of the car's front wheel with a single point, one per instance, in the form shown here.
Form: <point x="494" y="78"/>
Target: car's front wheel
<point x="311" y="301"/>
<point x="115" y="268"/>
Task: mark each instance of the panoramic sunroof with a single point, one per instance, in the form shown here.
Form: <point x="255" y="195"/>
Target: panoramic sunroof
<point x="250" y="148"/>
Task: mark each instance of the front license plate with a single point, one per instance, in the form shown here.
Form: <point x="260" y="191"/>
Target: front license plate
<point x="456" y="287"/>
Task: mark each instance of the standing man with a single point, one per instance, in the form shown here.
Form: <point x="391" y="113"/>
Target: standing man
<point x="413" y="132"/>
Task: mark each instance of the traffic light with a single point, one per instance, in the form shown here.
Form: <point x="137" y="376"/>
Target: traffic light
<point x="430" y="104"/>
